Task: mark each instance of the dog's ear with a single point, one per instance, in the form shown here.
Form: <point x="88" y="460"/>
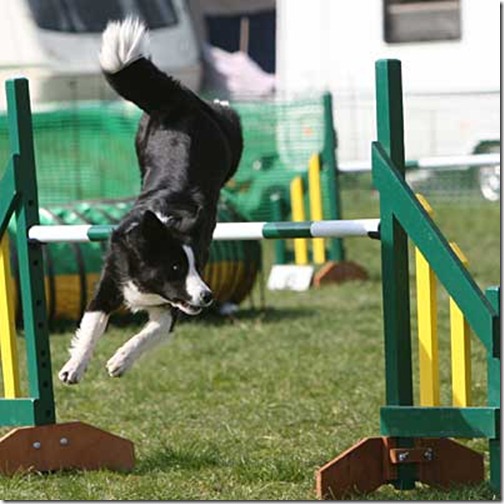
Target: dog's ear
<point x="140" y="229"/>
<point x="150" y="225"/>
<point x="183" y="218"/>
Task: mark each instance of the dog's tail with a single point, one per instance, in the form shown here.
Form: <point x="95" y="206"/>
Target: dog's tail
<point x="125" y="62"/>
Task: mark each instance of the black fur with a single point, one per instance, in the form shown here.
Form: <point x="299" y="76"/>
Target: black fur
<point x="187" y="149"/>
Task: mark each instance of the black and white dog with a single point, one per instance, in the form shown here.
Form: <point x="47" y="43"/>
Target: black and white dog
<point x="187" y="149"/>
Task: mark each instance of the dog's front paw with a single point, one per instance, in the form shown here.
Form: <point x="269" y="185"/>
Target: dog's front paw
<point x="120" y="362"/>
<point x="73" y="371"/>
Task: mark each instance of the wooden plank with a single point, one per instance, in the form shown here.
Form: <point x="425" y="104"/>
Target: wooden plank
<point x="64" y="446"/>
<point x="460" y="336"/>
<point x="8" y="343"/>
<point x="358" y="469"/>
<point x="426" y="287"/>
<point x="339" y="272"/>
<point x="452" y="464"/>
<point x="17" y="411"/>
<point x="440" y="422"/>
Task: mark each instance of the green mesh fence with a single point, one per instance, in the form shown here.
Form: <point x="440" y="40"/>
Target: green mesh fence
<point x="85" y="151"/>
<point x="280" y="137"/>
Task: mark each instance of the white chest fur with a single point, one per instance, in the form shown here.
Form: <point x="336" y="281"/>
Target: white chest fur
<point x="136" y="300"/>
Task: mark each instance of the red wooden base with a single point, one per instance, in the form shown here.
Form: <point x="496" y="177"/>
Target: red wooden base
<point x="374" y="461"/>
<point x="64" y="446"/>
<point x="338" y="272"/>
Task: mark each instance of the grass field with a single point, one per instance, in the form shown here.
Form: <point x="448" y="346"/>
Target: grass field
<point x="249" y="407"/>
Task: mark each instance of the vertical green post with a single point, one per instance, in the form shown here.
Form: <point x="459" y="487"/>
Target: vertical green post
<point x="494" y="392"/>
<point x="336" y="249"/>
<point x="276" y="212"/>
<point x="394" y="252"/>
<point x="31" y="269"/>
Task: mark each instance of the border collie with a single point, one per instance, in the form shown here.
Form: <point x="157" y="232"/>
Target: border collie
<point x="187" y="149"/>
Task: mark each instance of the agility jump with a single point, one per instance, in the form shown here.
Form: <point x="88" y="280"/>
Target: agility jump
<point x="413" y="445"/>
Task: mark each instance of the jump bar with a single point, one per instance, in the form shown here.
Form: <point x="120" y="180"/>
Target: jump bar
<point x="223" y="231"/>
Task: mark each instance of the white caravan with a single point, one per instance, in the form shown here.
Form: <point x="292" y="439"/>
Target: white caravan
<point x="55" y="44"/>
<point x="450" y="53"/>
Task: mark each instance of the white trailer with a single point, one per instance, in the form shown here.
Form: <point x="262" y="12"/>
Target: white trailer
<point x="450" y="53"/>
<point x="55" y="44"/>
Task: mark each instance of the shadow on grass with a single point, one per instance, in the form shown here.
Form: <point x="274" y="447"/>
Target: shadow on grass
<point x="265" y="315"/>
<point x="210" y="317"/>
<point x="167" y="459"/>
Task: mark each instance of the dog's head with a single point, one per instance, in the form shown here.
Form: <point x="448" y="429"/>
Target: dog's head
<point x="162" y="266"/>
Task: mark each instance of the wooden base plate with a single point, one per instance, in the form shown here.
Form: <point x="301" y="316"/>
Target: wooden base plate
<point x="338" y="272"/>
<point x="73" y="445"/>
<point x="374" y="461"/>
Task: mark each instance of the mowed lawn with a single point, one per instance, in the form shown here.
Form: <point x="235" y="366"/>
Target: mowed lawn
<point x="249" y="407"/>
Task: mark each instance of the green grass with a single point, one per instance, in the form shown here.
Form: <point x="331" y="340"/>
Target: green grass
<point x="249" y="407"/>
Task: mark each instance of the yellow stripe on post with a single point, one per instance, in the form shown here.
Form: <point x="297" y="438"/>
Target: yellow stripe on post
<point x="8" y="345"/>
<point x="298" y="215"/>
<point x="460" y="348"/>
<point x="426" y="285"/>
<point x="427" y="331"/>
<point x="316" y="208"/>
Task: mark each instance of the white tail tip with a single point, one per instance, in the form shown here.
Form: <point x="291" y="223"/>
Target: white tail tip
<point x="123" y="42"/>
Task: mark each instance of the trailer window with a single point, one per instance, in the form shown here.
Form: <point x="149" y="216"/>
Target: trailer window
<point x="85" y="16"/>
<point x="421" y="20"/>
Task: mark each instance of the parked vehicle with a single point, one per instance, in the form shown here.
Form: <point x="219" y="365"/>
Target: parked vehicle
<point x="55" y="44"/>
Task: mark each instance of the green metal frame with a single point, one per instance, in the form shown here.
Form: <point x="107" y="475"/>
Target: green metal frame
<point x="18" y="188"/>
<point x="401" y="215"/>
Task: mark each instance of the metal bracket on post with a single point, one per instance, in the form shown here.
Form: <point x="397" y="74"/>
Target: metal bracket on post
<point x="376" y="461"/>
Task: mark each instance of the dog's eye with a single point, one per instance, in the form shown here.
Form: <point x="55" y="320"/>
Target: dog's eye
<point x="175" y="267"/>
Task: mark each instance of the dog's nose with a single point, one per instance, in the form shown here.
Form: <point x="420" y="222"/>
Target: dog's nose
<point x="206" y="297"/>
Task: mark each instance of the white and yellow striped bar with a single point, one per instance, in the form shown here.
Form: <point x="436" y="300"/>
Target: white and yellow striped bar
<point x="8" y="345"/>
<point x="426" y="286"/>
<point x="298" y="215"/>
<point x="460" y="348"/>
<point x="316" y="208"/>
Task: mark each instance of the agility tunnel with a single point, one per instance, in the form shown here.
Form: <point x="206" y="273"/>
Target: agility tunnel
<point x="72" y="269"/>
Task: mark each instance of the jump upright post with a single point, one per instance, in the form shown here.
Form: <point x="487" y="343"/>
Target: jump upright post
<point x="40" y="444"/>
<point x="415" y="442"/>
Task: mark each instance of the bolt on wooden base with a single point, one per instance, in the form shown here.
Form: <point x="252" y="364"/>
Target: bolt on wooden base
<point x="53" y="447"/>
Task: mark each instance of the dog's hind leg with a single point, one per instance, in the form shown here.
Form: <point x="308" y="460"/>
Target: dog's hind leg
<point x="91" y="327"/>
<point x="160" y="324"/>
